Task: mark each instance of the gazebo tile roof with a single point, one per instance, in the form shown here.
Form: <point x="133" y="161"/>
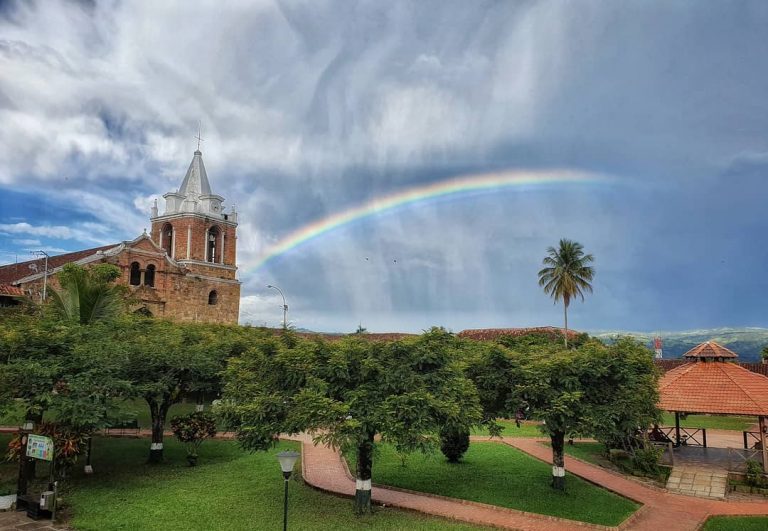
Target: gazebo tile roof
<point x="714" y="387"/>
<point x="710" y="349"/>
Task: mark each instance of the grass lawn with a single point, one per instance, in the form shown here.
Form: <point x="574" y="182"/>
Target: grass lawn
<point x="736" y="523"/>
<point x="591" y="452"/>
<point x="229" y="490"/>
<point x="500" y="475"/>
<point x="714" y="422"/>
<point x="526" y="429"/>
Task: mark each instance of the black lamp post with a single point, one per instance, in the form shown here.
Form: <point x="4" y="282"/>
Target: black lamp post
<point x="287" y="460"/>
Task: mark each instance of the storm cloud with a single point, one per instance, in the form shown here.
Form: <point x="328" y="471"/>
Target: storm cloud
<point x="310" y="108"/>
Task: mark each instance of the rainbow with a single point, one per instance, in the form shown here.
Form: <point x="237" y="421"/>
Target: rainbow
<point x="456" y="186"/>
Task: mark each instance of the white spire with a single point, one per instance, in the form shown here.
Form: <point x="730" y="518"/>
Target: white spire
<point x="196" y="180"/>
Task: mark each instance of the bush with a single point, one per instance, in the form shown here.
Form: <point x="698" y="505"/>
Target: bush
<point x="453" y="443"/>
<point x="754" y="474"/>
<point x="192" y="430"/>
<point x="68" y="444"/>
<point x="646" y="460"/>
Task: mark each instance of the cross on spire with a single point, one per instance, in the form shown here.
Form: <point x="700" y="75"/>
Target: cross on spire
<point x="199" y="131"/>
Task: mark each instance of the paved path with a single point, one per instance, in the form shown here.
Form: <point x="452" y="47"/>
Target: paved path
<point x="13" y="521"/>
<point x="704" y="482"/>
<point x="323" y="468"/>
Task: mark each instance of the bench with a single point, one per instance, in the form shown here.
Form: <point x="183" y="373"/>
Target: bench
<point x="129" y="427"/>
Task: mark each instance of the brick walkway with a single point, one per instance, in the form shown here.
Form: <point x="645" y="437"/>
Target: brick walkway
<point x="323" y="469"/>
<point x="13" y="521"/>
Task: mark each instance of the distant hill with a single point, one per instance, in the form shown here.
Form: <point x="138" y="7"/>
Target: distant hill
<point x="746" y="342"/>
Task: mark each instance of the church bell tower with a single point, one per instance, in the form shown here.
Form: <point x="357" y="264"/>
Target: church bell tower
<point x="195" y="230"/>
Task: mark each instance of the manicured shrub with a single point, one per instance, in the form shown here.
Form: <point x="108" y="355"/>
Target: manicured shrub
<point x="754" y="474"/>
<point x="192" y="430"/>
<point x="453" y="443"/>
<point x="646" y="460"/>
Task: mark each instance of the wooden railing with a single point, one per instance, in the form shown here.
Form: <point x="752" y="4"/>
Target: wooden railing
<point x="688" y="436"/>
<point x="738" y="457"/>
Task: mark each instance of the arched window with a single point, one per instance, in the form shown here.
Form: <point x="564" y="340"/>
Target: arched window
<point x="135" y="279"/>
<point x="143" y="311"/>
<point x="167" y="239"/>
<point x="213" y="297"/>
<point x="149" y="276"/>
<point x="213" y="244"/>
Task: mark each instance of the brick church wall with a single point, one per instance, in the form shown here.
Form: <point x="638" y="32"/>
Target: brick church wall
<point x="197" y="248"/>
<point x="178" y="294"/>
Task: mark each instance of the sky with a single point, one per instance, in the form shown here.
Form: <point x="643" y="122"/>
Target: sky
<point x="310" y="109"/>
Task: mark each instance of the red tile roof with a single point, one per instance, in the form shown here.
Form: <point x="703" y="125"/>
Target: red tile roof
<point x="714" y="387"/>
<point x="482" y="334"/>
<point x="10" y="291"/>
<point x="12" y="272"/>
<point x="710" y="349"/>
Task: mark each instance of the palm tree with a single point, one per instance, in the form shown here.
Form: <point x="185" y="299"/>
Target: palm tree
<point x="88" y="295"/>
<point x="566" y="275"/>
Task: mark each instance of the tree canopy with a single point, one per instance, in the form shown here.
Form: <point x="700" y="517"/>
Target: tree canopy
<point x="349" y="391"/>
<point x="566" y="275"/>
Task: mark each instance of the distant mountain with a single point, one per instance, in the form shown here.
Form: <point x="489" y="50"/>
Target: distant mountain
<point x="746" y="342"/>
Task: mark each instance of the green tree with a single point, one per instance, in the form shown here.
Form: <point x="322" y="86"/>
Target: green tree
<point x="167" y="361"/>
<point x="88" y="295"/>
<point x="623" y="395"/>
<point x="597" y="391"/>
<point x="36" y="353"/>
<point x="347" y="392"/>
<point x="57" y="369"/>
<point x="566" y="275"/>
<point x="764" y="354"/>
<point x="496" y="372"/>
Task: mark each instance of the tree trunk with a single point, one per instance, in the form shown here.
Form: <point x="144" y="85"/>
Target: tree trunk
<point x="565" y="313"/>
<point x="558" y="460"/>
<point x="158" y="411"/>
<point x="363" y="474"/>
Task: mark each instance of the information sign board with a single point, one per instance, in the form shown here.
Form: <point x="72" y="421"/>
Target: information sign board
<point x="40" y="447"/>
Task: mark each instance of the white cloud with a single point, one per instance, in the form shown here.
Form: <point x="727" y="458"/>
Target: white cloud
<point x="56" y="231"/>
<point x="26" y="242"/>
<point x="85" y="232"/>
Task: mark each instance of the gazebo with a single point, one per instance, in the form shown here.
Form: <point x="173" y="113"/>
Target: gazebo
<point x="712" y="384"/>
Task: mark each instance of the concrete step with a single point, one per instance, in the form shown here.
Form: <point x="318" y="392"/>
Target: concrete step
<point x="699" y="482"/>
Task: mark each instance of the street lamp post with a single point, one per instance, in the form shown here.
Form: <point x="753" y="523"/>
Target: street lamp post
<point x="287" y="460"/>
<point x="45" y="274"/>
<point x="285" y="306"/>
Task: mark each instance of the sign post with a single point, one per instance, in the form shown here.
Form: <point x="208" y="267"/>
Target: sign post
<point x="40" y="447"/>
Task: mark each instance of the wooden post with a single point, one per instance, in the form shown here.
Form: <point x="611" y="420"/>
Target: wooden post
<point x="761" y="423"/>
<point x="677" y="428"/>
